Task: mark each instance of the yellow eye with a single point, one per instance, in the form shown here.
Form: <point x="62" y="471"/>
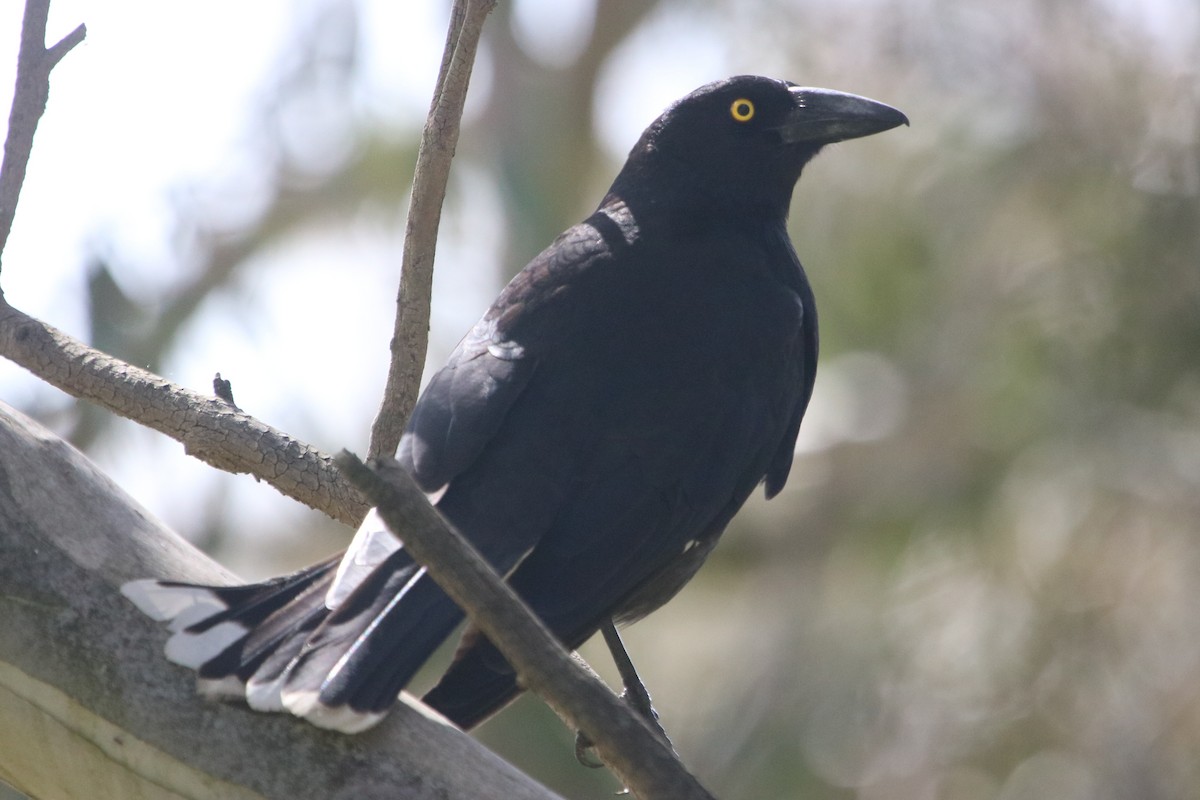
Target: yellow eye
<point x="742" y="110"/>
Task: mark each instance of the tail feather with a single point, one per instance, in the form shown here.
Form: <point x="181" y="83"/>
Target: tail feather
<point x="279" y="636"/>
<point x="277" y="652"/>
<point x="478" y="683"/>
<point x="279" y="646"/>
<point x="334" y="643"/>
<point x="364" y="654"/>
<point x="209" y="623"/>
<point x="371" y="546"/>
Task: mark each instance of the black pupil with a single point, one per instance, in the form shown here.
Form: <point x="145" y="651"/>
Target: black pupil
<point x="743" y="109"/>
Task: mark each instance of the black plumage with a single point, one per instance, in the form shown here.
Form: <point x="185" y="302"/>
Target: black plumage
<point x="592" y="435"/>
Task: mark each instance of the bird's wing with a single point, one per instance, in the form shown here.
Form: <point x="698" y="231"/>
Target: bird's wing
<point x="781" y="464"/>
<point x="463" y="406"/>
<point x="467" y="401"/>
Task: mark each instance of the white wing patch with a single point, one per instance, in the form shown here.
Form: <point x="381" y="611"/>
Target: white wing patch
<point x="372" y="543"/>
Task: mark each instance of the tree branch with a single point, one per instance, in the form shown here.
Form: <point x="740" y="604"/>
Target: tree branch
<point x="638" y="755"/>
<point x="208" y="428"/>
<point x="34" y="63"/>
<point x="410" y="336"/>
<point x="82" y="676"/>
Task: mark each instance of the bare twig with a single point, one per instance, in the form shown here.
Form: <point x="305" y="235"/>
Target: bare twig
<point x="207" y="427"/>
<point x="410" y="337"/>
<point x="34" y="63"/>
<point x="636" y="753"/>
<point x="223" y="390"/>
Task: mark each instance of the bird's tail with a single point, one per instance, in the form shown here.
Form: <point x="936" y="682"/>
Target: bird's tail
<point x="234" y="636"/>
<point x="334" y="643"/>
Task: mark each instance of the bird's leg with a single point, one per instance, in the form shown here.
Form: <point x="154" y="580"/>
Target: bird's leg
<point x="635" y="691"/>
<point x="634" y="694"/>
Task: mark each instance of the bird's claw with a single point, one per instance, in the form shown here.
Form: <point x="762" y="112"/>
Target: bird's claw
<point x="585" y="751"/>
<point x="585" y="748"/>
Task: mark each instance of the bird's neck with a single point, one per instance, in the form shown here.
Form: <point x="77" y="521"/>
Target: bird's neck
<point x="667" y="193"/>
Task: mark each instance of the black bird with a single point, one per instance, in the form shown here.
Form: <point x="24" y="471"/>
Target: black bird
<point x="591" y="436"/>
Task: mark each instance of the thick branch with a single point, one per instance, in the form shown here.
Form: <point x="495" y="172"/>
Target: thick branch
<point x="90" y="708"/>
<point x="410" y="337"/>
<point x="208" y="428"/>
<point x="638" y="756"/>
<point x="34" y="63"/>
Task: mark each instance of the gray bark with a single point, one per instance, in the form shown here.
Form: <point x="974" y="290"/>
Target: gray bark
<point x="89" y="707"/>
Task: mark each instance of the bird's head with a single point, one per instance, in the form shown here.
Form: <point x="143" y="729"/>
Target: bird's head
<point x="742" y="142"/>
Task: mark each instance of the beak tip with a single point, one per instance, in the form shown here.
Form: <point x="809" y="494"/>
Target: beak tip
<point x="830" y="116"/>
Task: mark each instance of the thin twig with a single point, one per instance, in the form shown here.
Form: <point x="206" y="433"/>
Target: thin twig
<point x="32" y="91"/>
<point x="635" y="692"/>
<point x="65" y="45"/>
<point x="34" y="62"/>
<point x="634" y="752"/>
<point x="410" y="337"/>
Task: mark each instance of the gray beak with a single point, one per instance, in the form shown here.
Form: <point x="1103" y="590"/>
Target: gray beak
<point x="823" y="116"/>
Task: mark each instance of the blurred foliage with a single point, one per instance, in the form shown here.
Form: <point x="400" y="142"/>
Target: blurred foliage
<point x="981" y="583"/>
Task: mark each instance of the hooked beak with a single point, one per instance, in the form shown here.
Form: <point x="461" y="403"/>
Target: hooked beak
<point x="823" y="116"/>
